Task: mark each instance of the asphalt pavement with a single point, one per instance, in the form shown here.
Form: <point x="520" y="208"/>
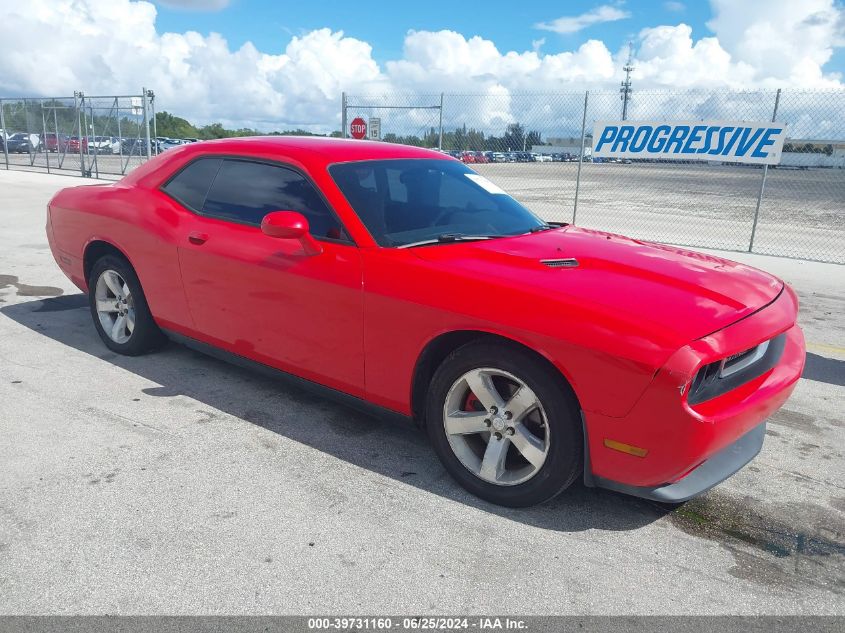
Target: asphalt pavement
<point x="174" y="483"/>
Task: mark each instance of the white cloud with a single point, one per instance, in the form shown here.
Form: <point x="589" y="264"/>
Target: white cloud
<point x="782" y="40"/>
<point x="196" y="5"/>
<point x="573" y="24"/>
<point x="53" y="47"/>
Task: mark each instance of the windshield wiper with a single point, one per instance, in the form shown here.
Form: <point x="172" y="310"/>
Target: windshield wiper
<point x="446" y="238"/>
<point x="542" y="227"/>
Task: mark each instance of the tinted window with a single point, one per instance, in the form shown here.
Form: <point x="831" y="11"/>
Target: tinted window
<point x="191" y="184"/>
<point x="410" y="200"/>
<point x="245" y="192"/>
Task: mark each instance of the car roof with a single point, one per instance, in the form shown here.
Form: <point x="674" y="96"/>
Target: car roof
<point x="334" y="149"/>
<point x="316" y="152"/>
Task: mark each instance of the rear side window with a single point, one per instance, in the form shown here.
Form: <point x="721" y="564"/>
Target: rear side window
<point x="191" y="184"/>
<point x="245" y="191"/>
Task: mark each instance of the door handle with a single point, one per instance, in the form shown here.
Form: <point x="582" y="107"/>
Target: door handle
<point x="197" y="238"/>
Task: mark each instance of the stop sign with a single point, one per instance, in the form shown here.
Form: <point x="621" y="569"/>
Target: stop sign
<point x="358" y="128"/>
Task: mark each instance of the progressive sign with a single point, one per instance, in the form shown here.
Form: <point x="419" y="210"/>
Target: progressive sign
<point x="724" y="141"/>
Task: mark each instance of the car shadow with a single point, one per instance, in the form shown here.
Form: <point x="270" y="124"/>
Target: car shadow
<point x="823" y="369"/>
<point x="396" y="450"/>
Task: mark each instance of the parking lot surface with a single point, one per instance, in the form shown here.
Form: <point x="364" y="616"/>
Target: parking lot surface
<point x="174" y="483"/>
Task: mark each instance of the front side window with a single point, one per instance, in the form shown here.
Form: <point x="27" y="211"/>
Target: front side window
<point x="406" y="201"/>
<point x="191" y="184"/>
<point x="245" y="191"/>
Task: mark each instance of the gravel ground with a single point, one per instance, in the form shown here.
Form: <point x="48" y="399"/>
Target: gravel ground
<point x="173" y="483"/>
<point x="802" y="214"/>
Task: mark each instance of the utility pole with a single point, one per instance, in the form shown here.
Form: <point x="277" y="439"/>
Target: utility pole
<point x="626" y="85"/>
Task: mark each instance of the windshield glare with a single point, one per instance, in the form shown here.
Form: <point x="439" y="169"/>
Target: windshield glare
<point x="406" y="201"/>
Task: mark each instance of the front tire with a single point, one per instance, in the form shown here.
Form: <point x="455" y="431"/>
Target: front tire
<point x="119" y="308"/>
<point x="504" y="424"/>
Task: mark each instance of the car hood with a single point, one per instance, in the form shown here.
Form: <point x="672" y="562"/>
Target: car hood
<point x="682" y="294"/>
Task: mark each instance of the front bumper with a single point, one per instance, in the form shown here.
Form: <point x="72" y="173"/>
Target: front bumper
<point x="673" y="440"/>
<point x="712" y="472"/>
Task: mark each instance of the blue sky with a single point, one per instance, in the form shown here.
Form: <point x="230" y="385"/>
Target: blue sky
<point x="509" y="24"/>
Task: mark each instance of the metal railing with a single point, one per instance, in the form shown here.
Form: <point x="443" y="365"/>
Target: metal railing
<point x="538" y="147"/>
<point x="91" y="136"/>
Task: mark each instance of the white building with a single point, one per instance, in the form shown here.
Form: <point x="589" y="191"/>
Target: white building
<point x="812" y="159"/>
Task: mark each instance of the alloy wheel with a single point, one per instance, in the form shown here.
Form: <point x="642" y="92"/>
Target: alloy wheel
<point x="496" y="426"/>
<point x="115" y="306"/>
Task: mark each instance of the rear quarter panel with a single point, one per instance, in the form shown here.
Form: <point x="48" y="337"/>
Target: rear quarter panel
<point x="135" y="222"/>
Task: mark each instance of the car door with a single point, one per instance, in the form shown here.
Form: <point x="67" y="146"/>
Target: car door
<point x="265" y="298"/>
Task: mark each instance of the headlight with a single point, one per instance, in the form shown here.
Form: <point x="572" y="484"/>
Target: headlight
<point x="721" y="376"/>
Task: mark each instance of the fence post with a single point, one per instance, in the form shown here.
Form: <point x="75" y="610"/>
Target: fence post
<point x="581" y="156"/>
<point x="120" y="136"/>
<point x="78" y="108"/>
<point x="94" y="141"/>
<point x="5" y="132"/>
<point x="343" y="115"/>
<point x="44" y="137"/>
<point x="29" y="126"/>
<point x="155" y="125"/>
<point x="440" y="137"/>
<point x="146" y="118"/>
<point x="60" y="155"/>
<point x="762" y="182"/>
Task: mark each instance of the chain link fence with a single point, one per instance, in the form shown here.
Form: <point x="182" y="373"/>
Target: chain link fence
<point x="538" y="148"/>
<point x="92" y="136"/>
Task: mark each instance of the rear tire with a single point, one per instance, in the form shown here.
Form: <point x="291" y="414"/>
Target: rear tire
<point x="119" y="308"/>
<point x="504" y="425"/>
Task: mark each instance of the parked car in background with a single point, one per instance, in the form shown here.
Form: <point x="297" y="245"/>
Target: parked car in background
<point x="75" y="145"/>
<point x="542" y="158"/>
<point x="165" y="143"/>
<point x="56" y="142"/>
<point x="23" y="143"/>
<point x="133" y="147"/>
<point x="499" y="157"/>
<point x="99" y="145"/>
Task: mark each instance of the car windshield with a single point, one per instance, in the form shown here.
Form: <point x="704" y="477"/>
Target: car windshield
<point x="18" y="137"/>
<point x="403" y="202"/>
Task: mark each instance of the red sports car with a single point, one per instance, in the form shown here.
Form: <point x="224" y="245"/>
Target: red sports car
<point x="398" y="278"/>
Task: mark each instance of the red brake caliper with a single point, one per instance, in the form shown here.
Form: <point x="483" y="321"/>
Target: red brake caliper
<point x="472" y="403"/>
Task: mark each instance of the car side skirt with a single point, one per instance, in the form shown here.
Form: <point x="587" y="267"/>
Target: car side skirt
<point x="340" y="397"/>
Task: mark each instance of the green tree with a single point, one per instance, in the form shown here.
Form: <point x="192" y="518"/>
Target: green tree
<point x="174" y="126"/>
<point x="514" y="139"/>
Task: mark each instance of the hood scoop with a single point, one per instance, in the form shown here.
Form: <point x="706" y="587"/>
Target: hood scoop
<point x="564" y="262"/>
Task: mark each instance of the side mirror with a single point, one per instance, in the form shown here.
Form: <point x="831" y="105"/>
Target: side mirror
<point x="290" y="225"/>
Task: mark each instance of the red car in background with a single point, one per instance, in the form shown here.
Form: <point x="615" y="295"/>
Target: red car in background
<point x="73" y="144"/>
<point x="395" y="277"/>
<point x="474" y="157"/>
<point x="57" y="143"/>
